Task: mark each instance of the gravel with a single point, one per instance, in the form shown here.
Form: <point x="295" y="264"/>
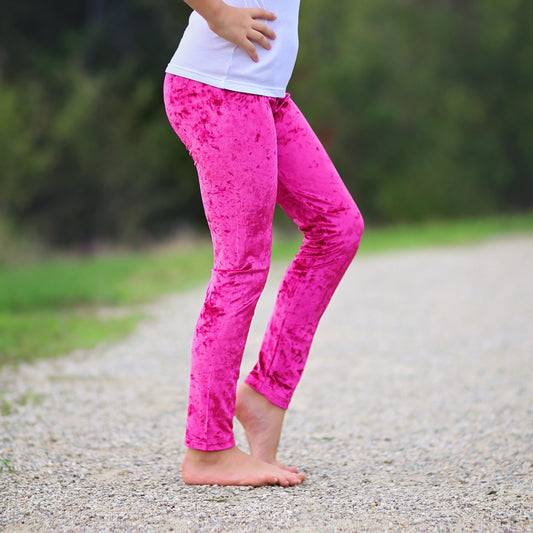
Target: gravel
<point x="415" y="412"/>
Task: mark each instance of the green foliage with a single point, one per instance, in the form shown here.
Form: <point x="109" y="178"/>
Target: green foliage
<point x="97" y="166"/>
<point x="89" y="154"/>
<point x="425" y="106"/>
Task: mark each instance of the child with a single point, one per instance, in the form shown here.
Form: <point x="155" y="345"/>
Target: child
<point x="225" y="98"/>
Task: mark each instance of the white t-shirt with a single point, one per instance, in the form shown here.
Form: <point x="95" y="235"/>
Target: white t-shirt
<point x="204" y="56"/>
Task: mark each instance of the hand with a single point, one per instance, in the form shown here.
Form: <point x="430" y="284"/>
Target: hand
<point x="240" y="26"/>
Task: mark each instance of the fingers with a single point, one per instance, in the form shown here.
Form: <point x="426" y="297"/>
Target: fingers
<point x="252" y="52"/>
<point x="245" y="27"/>
<point x="260" y="33"/>
<point x="263" y="28"/>
<point x="260" y="39"/>
<point x="260" y="13"/>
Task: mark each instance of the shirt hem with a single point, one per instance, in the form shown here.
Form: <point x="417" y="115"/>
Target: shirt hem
<point x="229" y="85"/>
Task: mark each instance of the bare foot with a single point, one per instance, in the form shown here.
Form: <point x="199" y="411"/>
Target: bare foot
<point x="262" y="422"/>
<point x="233" y="467"/>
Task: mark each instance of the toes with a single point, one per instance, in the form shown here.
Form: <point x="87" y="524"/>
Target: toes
<point x="292" y="469"/>
<point x="300" y="477"/>
<point x="294" y="480"/>
<point x="287" y="479"/>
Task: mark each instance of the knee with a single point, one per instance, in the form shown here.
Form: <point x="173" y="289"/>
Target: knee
<point x="334" y="236"/>
<point x="348" y="226"/>
<point x="240" y="287"/>
<point x="254" y="280"/>
<point x="354" y="229"/>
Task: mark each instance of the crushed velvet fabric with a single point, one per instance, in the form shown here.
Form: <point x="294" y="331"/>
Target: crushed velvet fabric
<point x="250" y="152"/>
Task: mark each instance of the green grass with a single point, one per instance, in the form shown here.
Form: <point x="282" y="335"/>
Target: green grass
<point x="50" y="307"/>
<point x="32" y="335"/>
<point x="5" y="464"/>
<point x="117" y="279"/>
<point x="456" y="232"/>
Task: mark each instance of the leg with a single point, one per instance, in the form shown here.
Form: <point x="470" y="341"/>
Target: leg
<point x="311" y="192"/>
<point x="234" y="153"/>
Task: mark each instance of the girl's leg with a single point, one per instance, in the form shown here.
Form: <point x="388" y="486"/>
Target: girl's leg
<point x="231" y="137"/>
<point x="311" y="192"/>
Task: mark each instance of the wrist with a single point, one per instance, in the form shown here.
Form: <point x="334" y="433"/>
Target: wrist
<point x="212" y="11"/>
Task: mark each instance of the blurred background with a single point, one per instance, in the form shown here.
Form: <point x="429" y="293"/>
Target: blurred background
<point x="426" y="107"/>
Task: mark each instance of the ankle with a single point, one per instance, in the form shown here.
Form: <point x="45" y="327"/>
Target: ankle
<point x="206" y="457"/>
<point x="247" y="394"/>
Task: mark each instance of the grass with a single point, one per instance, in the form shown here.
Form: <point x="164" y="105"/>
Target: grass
<point x="30" y="335"/>
<point x="115" y="279"/>
<point x="458" y="232"/>
<point x="5" y="464"/>
<point x="51" y="307"/>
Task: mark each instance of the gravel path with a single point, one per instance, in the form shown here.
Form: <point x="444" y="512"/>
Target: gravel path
<point x="415" y="412"/>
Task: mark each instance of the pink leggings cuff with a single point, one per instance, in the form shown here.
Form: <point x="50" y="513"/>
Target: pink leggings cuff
<point x="270" y="390"/>
<point x="209" y="446"/>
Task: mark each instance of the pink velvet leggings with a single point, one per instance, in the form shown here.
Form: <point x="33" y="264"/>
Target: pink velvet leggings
<point x="250" y="152"/>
